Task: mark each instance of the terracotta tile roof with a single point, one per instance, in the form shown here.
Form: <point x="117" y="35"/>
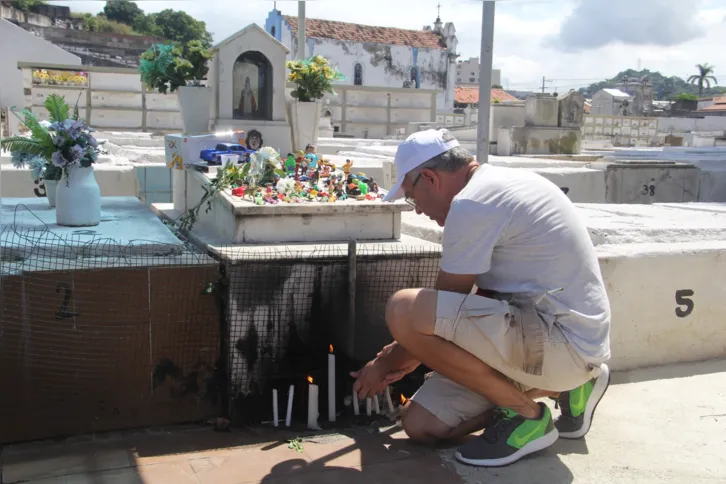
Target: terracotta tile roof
<point x="470" y="95"/>
<point x="719" y="104"/>
<point x="329" y="29"/>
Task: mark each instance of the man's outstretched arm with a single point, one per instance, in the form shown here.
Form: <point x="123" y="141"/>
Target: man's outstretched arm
<point x="394" y="361"/>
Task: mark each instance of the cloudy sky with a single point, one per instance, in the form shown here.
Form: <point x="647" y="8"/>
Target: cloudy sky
<point x="571" y="42"/>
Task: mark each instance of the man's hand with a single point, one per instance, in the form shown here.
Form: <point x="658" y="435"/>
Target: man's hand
<point x="370" y="380"/>
<point x="390" y="365"/>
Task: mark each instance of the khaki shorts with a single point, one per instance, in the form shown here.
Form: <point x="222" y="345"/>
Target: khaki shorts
<point x="527" y="347"/>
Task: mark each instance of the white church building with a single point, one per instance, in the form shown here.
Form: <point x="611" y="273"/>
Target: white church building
<point x="378" y="56"/>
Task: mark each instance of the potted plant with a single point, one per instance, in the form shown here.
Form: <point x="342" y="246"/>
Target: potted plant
<point x="166" y="68"/>
<point x="64" y="144"/>
<point x="313" y="77"/>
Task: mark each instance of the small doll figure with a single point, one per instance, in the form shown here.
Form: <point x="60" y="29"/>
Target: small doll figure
<point x="299" y="158"/>
<point x="347" y="166"/>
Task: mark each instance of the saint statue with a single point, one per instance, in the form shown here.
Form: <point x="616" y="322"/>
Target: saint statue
<point x="247" y="102"/>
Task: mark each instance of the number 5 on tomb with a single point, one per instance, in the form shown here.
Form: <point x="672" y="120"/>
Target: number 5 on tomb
<point x="685" y="303"/>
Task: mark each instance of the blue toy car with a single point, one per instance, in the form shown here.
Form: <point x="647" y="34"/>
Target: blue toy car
<point x="214" y="155"/>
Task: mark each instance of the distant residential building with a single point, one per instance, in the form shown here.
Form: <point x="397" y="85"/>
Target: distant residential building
<point x="469" y="97"/>
<point x="378" y="56"/>
<point x="467" y="73"/>
<point x="717" y="107"/>
<point x="611" y="102"/>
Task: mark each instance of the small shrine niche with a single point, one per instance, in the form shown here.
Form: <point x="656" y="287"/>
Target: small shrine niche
<point x="252" y="87"/>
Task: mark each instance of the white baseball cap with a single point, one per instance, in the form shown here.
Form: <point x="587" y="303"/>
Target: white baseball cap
<point x="418" y="148"/>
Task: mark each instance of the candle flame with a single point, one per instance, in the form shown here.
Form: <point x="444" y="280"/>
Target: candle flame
<point x="310" y="379"/>
<point x="331" y="348"/>
<point x="403" y="399"/>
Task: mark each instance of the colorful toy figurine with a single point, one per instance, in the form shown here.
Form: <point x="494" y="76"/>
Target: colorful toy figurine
<point x="290" y="163"/>
<point x="310" y="155"/>
<point x="362" y="187"/>
<point x="347" y="166"/>
<point x="299" y="158"/>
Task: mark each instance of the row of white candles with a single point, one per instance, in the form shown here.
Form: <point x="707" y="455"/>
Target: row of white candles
<point x="313" y="408"/>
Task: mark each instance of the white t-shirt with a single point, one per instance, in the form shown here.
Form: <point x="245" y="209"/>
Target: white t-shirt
<point x="520" y="234"/>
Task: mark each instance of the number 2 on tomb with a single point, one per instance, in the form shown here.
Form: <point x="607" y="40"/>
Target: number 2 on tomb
<point x="685" y="303"/>
<point x="63" y="313"/>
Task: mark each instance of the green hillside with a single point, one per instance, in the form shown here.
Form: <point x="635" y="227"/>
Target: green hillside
<point x="663" y="87"/>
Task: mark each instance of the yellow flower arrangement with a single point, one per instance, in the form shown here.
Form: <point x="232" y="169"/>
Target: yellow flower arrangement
<point x="313" y="76"/>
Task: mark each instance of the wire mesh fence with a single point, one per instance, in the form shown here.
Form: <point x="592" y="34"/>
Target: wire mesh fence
<point x="97" y="335"/>
<point x="288" y="308"/>
<point x="100" y="335"/>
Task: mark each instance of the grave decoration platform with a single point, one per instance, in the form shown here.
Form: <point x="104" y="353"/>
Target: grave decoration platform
<point x="103" y="328"/>
<point x="662" y="265"/>
<point x="295" y="213"/>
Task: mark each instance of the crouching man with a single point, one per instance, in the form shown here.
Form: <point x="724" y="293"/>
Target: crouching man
<point x="519" y="310"/>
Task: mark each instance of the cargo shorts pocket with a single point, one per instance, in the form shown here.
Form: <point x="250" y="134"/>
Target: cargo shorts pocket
<point x="508" y="336"/>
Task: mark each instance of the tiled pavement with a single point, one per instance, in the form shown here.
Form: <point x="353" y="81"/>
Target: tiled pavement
<point x="194" y="454"/>
<point x="659" y="425"/>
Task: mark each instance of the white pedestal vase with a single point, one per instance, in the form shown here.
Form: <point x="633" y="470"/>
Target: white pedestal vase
<point x="78" y="199"/>
<point x="50" y="189"/>
<point x="305" y="117"/>
<point x="195" y="103"/>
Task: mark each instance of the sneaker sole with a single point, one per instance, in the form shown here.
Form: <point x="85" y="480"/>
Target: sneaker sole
<point x="535" y="446"/>
<point x="601" y="386"/>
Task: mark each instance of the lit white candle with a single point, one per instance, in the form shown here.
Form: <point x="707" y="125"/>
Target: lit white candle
<point x="290" y="393"/>
<point x="312" y="405"/>
<point x="368" y="407"/>
<point x="356" y="408"/>
<point x="331" y="385"/>
<point x="376" y="407"/>
<point x="388" y="399"/>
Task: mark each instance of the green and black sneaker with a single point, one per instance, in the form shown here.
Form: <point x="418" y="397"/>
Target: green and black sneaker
<point x="509" y="438"/>
<point x="578" y="405"/>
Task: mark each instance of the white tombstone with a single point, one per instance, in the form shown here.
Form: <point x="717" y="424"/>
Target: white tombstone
<point x="248" y="79"/>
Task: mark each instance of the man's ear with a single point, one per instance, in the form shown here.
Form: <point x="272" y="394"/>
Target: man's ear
<point x="430" y="176"/>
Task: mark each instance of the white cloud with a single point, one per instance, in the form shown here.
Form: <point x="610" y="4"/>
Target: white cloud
<point x="596" y="24"/>
<point x="521" y="26"/>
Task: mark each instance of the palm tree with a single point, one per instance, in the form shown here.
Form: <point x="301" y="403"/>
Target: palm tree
<point x="703" y="78"/>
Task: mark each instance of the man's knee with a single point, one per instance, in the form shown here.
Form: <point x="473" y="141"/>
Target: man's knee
<point x="411" y="309"/>
<point x="422" y="426"/>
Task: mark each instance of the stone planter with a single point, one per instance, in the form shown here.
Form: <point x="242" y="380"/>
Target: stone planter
<point x="50" y="189"/>
<point x="195" y="103"/>
<point x="78" y="199"/>
<point x="305" y="120"/>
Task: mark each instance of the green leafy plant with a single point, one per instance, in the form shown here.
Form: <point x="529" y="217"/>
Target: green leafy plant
<point x="165" y="68"/>
<point x="59" y="143"/>
<point x="685" y="96"/>
<point x="314" y="77"/>
<point x="296" y="444"/>
<point x="232" y="174"/>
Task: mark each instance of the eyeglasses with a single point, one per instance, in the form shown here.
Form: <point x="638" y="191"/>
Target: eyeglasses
<point x="408" y="198"/>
